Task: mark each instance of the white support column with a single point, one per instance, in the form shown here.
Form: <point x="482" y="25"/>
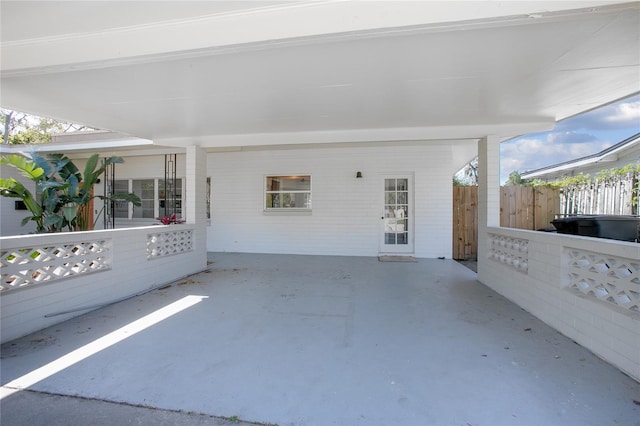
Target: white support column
<point x="196" y="173"/>
<point x="195" y="197"/>
<point x="488" y="193"/>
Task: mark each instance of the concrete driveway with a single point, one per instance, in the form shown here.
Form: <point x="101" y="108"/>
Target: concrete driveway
<point x="314" y="340"/>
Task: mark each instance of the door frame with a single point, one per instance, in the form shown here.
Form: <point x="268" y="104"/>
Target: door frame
<point x="397" y="249"/>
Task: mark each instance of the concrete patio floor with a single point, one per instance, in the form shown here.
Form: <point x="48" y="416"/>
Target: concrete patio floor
<point x="314" y="340"/>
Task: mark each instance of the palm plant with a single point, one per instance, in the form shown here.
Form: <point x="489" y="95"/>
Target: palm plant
<point x="64" y="193"/>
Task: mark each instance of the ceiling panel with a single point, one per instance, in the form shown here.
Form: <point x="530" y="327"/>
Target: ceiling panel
<point x="506" y="73"/>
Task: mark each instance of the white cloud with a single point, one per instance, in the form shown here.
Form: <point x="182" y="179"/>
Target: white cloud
<point x="627" y="112"/>
<point x="545" y="149"/>
<point x="573" y="138"/>
<point x="624" y="114"/>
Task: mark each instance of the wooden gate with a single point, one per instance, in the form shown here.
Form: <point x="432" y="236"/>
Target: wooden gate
<point x="465" y="222"/>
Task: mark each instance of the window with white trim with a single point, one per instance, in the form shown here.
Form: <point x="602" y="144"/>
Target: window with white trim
<point x="288" y="193"/>
<point x="152" y="194"/>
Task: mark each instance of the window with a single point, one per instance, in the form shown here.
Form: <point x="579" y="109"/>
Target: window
<point x="154" y="196"/>
<point x="121" y="208"/>
<point x="288" y="192"/>
<point x="144" y="188"/>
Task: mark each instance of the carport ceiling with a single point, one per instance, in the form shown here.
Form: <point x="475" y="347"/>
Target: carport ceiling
<point x="230" y="72"/>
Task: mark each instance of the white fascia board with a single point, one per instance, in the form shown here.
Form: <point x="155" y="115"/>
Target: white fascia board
<point x="504" y="131"/>
<point x="558" y="169"/>
<point x="109" y="145"/>
<point x="265" y="27"/>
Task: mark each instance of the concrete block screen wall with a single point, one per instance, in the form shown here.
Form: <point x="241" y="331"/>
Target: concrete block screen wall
<point x="586" y="288"/>
<point x="49" y="278"/>
<point x="345" y="218"/>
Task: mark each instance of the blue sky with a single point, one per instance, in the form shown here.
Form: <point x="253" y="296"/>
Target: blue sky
<point x="575" y="137"/>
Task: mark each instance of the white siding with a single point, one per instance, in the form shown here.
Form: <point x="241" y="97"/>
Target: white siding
<point x="145" y="167"/>
<point x="346" y="216"/>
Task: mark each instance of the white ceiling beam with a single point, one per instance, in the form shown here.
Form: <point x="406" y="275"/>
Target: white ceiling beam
<point x="503" y="130"/>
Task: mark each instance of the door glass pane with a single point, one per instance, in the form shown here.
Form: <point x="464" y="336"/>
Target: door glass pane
<point x="390" y="198"/>
<point x="396" y="211"/>
<point x="402" y="238"/>
<point x="389" y="184"/>
<point x="401" y="211"/>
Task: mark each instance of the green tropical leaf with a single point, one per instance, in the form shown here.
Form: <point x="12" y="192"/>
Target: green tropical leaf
<point x="70" y="212"/>
<point x="90" y="170"/>
<point x="64" y="166"/>
<point x="74" y="188"/>
<point x="42" y="163"/>
<point x="112" y="160"/>
<point x="54" y="220"/>
<point x="48" y="184"/>
<point x="50" y="201"/>
<point x="64" y="193"/>
<point x="10" y="188"/>
<point x="27" y="167"/>
<point x="126" y="196"/>
<point x="14" y="189"/>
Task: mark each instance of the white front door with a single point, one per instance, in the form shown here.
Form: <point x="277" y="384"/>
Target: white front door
<point x="397" y="215"/>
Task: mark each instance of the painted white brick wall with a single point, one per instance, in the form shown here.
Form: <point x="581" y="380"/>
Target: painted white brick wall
<point x="346" y="216"/>
<point x="194" y="202"/>
<point x="610" y="332"/>
<point x="23" y="310"/>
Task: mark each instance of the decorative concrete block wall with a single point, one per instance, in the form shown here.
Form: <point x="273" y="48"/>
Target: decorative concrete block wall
<point x="586" y="288"/>
<point x="43" y="275"/>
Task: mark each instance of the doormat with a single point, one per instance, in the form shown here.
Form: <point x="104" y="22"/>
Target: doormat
<point x="396" y="259"/>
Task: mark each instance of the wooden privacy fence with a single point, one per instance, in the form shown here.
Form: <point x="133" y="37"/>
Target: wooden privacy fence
<point x="528" y="207"/>
<point x="522" y="207"/>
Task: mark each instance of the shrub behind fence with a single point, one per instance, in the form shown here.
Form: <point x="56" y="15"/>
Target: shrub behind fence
<point x="616" y="195"/>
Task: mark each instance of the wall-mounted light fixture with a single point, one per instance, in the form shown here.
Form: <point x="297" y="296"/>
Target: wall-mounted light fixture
<point x="358" y="175"/>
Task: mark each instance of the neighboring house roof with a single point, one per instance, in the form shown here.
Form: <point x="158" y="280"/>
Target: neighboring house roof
<point x="609" y="155"/>
<point x="87" y="142"/>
